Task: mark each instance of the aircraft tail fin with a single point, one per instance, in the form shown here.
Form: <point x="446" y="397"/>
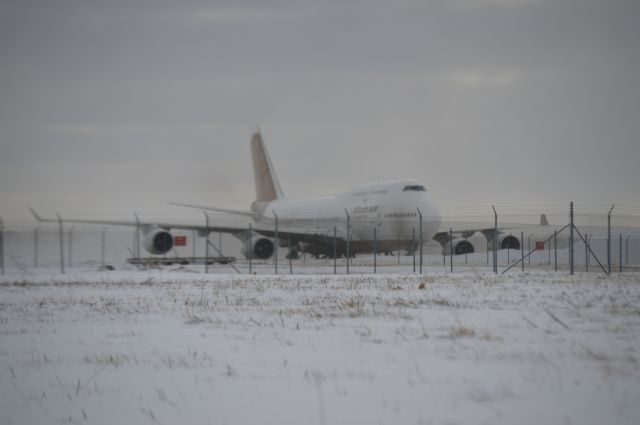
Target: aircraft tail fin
<point x="543" y="220"/>
<point x="266" y="181"/>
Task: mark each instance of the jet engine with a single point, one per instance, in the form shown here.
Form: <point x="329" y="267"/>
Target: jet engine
<point x="259" y="247"/>
<point x="508" y="242"/>
<point x="158" y="241"/>
<point x="460" y="246"/>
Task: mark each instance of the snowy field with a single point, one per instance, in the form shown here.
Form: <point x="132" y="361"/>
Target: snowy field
<point x="167" y="347"/>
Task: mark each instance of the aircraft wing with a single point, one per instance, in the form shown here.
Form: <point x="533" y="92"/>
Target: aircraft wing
<point x="299" y="235"/>
<point x="465" y="229"/>
<point x="296" y="235"/>
<point x="143" y="223"/>
<point x="216" y="209"/>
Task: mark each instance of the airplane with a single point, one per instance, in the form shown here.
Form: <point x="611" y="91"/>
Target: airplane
<point x="381" y="216"/>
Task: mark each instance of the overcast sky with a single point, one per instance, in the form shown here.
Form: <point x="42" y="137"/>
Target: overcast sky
<point x="122" y="105"/>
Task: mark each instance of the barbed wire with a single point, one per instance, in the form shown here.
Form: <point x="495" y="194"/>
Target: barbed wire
<point x="527" y="213"/>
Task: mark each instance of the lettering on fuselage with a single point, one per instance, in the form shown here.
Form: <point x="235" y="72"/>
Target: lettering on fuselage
<point x="373" y="192"/>
<point x="365" y="210"/>
<point x="400" y="215"/>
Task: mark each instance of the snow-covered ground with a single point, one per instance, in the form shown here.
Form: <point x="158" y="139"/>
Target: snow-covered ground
<point x="177" y="346"/>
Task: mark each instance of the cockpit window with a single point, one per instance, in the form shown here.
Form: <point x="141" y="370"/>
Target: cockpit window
<point x="415" y="188"/>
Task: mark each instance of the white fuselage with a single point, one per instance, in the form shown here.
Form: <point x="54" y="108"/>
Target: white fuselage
<point x="393" y="208"/>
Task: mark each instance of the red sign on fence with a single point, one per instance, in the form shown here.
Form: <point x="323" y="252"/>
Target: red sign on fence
<point x="180" y="241"/>
<point x="539" y="245"/>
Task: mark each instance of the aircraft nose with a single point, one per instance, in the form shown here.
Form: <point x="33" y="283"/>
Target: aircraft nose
<point x="430" y="211"/>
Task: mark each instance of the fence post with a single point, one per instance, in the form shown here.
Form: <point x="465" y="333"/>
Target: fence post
<point x="70" y="247"/>
<point x="35" y="246"/>
<point x="522" y="250"/>
<point x="1" y="246"/>
<point x="419" y="213"/>
<point x="206" y="243"/>
<point x="609" y="239"/>
<point x="375" y="249"/>
<point x="529" y="246"/>
<point x="531" y="252"/>
<point x="495" y="240"/>
<point x="555" y="249"/>
<point x="451" y="249"/>
<point x="413" y="248"/>
<point x="275" y="245"/>
<point x="590" y="250"/>
<point x="103" y="246"/>
<point x="61" y="238"/>
<point x="137" y="239"/>
<point x="586" y="252"/>
<point x="620" y="254"/>
<point x="465" y="253"/>
<point x="335" y="250"/>
<point x="290" y="254"/>
<point x="571" y="238"/>
<point x="488" y="252"/>
<point x="249" y="251"/>
<point x="348" y="239"/>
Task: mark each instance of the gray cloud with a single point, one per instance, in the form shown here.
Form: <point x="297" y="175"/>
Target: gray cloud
<point x="484" y="101"/>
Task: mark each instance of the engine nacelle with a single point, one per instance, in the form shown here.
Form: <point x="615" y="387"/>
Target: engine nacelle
<point x="158" y="241"/>
<point x="508" y="242"/>
<point x="460" y="246"/>
<point x="259" y="247"/>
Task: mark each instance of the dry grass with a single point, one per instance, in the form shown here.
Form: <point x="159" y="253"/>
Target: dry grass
<point x="461" y="332"/>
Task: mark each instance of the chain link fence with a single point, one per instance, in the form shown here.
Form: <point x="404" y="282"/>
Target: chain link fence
<point x="604" y="241"/>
